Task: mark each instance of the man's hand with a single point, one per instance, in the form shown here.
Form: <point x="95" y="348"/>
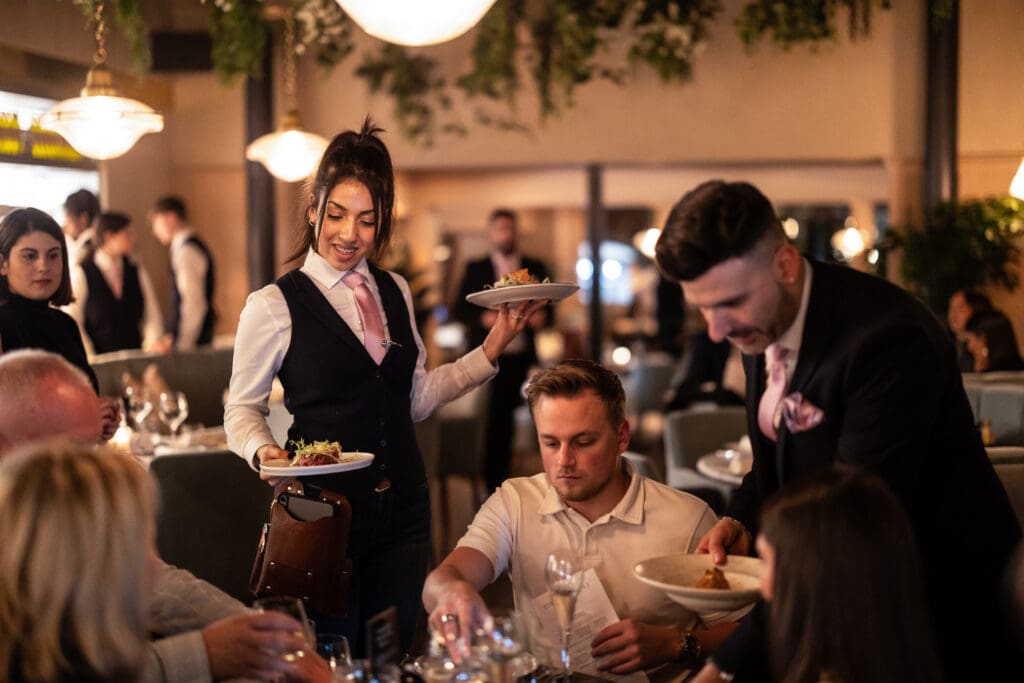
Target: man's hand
<point x="110" y="415"/>
<point x="726" y="537"/>
<point x="253" y="646"/>
<point x="458" y="611"/>
<point x="628" y="645"/>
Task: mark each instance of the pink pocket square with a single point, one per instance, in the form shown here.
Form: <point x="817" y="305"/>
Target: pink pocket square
<point x="800" y="415"/>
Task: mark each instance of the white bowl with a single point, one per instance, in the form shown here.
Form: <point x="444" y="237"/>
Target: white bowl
<point x="678" y="575"/>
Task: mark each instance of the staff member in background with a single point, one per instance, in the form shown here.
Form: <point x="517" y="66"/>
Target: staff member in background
<point x="340" y="335"/>
<point x="115" y="303"/>
<point x="80" y="210"/>
<point x="191" y="317"/>
<point x="505" y="394"/>
<point x="33" y="275"/>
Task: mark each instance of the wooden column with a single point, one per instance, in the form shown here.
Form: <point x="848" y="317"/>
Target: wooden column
<point x="942" y="100"/>
<point x="596" y="229"/>
<point x="259" y="184"/>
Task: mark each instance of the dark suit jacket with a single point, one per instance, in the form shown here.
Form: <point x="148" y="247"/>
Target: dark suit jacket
<point x="884" y="371"/>
<point x="480" y="273"/>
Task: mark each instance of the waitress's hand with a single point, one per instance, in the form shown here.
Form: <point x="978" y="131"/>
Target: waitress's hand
<point x="270" y="455"/>
<point x="510" y="322"/>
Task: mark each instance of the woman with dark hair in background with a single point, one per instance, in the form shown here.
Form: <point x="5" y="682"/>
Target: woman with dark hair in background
<point x="33" y="275"/>
<point x="116" y="306"/>
<point x="962" y="305"/>
<point x="992" y="342"/>
<point x="340" y="335"/>
<point x="842" y="584"/>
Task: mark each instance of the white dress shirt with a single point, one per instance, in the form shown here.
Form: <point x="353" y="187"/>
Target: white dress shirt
<point x="264" y="334"/>
<point x="190" y="265"/>
<point x="794" y="335"/>
<point x="77" y="245"/>
<point x="113" y="273"/>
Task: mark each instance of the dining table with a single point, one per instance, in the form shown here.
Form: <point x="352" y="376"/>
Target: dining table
<point x="727" y="465"/>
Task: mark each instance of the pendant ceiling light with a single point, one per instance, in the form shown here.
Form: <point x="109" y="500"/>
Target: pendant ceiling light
<point x="291" y="153"/>
<point x="1017" y="184"/>
<point x="100" y="123"/>
<point x="416" y="22"/>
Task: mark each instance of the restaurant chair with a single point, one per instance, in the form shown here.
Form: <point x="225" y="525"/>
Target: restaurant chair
<point x="645" y="465"/>
<point x="1012" y="476"/>
<point x="213" y="507"/>
<point x="461" y="438"/>
<point x="1002" y="405"/>
<point x="691" y="433"/>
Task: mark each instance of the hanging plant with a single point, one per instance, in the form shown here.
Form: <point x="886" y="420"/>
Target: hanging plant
<point x="803" y="21"/>
<point x="127" y="15"/>
<point x="962" y="245"/>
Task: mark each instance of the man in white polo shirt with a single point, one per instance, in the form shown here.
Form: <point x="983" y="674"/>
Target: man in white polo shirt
<point x="589" y="501"/>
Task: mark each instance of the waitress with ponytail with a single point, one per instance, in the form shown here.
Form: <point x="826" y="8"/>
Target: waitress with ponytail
<point x="340" y="335"/>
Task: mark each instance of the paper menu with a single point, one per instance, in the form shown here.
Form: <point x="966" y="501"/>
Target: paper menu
<point x="593" y="612"/>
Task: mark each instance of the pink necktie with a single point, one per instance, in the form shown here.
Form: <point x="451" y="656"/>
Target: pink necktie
<point x="373" y="327"/>
<point x="772" y="395"/>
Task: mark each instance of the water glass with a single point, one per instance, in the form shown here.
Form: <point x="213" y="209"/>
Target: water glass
<point x="293" y="608"/>
<point x="173" y="409"/>
<point x="334" y="648"/>
<point x="363" y="671"/>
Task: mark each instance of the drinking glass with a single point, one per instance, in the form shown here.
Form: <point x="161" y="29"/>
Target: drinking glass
<point x="293" y="608"/>
<point x="563" y="575"/>
<point x="505" y="641"/>
<point x="173" y="409"/>
<point x="363" y="671"/>
<point x="137" y="407"/>
<point x="334" y="648"/>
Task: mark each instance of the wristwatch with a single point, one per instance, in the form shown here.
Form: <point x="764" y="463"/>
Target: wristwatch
<point x="689" y="649"/>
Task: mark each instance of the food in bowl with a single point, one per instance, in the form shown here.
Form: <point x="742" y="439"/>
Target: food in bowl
<point x="318" y="453"/>
<point x="713" y="578"/>
<point x="518" y="277"/>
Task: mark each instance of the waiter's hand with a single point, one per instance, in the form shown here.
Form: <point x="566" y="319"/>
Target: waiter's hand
<point x="726" y="537"/>
<point x="510" y="322"/>
<point x="270" y="455"/>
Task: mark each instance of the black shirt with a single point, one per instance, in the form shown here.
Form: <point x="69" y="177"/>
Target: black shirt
<point x="28" y="324"/>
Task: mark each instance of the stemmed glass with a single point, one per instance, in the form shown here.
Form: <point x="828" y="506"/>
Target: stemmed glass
<point x="173" y="409"/>
<point x="137" y="407"/>
<point x="563" y="575"/>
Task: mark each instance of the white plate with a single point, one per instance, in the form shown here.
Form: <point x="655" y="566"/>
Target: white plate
<point x="362" y="460"/>
<point x="726" y="465"/>
<point x="678" y="575"/>
<point x="492" y="298"/>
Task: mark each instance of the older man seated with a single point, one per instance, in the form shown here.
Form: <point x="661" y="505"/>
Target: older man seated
<point x="204" y="633"/>
<point x="588" y="501"/>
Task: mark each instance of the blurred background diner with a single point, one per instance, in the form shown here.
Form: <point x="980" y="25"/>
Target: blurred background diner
<point x="889" y="138"/>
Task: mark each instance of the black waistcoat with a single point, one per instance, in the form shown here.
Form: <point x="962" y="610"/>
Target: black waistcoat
<point x="338" y="393"/>
<point x="174" y="314"/>
<point x="111" y="323"/>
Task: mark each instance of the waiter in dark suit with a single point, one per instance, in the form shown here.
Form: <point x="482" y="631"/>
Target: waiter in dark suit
<point x="515" y="362"/>
<point x="843" y="367"/>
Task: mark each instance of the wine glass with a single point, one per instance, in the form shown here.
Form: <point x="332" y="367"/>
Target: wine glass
<point x="293" y="608"/>
<point x="563" y="575"/>
<point x="137" y="407"/>
<point x="334" y="648"/>
<point x="173" y="409"/>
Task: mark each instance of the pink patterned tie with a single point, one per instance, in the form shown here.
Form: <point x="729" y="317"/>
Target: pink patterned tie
<point x="373" y="327"/>
<point x="772" y="395"/>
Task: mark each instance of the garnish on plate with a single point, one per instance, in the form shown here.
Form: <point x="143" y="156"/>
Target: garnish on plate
<point x="318" y="453"/>
<point x="515" y="278"/>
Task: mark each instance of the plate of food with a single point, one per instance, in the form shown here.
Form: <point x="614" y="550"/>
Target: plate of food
<point x="696" y="583"/>
<point x="519" y="286"/>
<point x="320" y="457"/>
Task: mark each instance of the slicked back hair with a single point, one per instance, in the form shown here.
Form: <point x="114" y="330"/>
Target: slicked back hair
<point x="712" y="223"/>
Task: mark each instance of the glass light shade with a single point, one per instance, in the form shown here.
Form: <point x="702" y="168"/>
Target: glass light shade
<point x="1017" y="184"/>
<point x="290" y="154"/>
<point x="416" y="22"/>
<point x="100" y="123"/>
<point x="849" y="242"/>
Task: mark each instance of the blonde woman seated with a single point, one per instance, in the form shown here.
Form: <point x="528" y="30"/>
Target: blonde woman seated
<point x="76" y="565"/>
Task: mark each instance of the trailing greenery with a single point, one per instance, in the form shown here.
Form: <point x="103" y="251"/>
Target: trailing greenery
<point x="127" y="14"/>
<point x="557" y="45"/>
<point x="962" y="245"/>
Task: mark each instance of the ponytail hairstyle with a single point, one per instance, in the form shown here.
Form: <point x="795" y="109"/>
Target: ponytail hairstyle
<point x="356" y="156"/>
